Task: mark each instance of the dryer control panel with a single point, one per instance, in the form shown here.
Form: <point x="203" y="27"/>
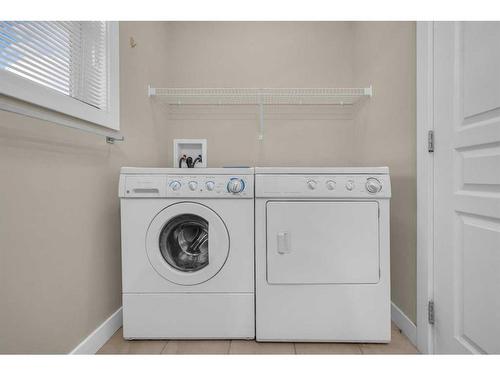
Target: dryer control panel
<point x="323" y="185"/>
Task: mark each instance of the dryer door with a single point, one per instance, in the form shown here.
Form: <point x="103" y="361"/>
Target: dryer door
<point x="322" y="242"/>
<point x="187" y="243"/>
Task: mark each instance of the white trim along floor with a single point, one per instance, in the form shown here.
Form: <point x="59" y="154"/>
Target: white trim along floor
<point x="93" y="342"/>
<point x="108" y="339"/>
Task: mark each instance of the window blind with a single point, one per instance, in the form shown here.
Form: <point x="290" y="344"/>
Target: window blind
<point x="69" y="57"/>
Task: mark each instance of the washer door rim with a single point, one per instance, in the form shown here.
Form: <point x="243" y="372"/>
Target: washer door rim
<point x="218" y="237"/>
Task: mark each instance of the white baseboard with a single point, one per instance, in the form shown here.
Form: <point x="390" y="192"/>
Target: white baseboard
<point x="103" y="333"/>
<point x="404" y="323"/>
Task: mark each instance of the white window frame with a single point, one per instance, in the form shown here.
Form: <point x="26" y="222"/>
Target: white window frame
<point x="27" y="91"/>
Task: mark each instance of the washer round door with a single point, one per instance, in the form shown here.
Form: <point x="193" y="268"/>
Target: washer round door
<point x="187" y="243"/>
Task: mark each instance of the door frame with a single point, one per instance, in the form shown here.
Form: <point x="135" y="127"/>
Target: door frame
<point x="425" y="183"/>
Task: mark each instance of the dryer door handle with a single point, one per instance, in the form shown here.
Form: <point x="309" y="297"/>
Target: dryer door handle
<point x="283" y="242"/>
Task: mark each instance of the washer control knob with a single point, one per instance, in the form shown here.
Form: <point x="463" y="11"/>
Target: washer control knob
<point x="349" y="185"/>
<point x="312" y="184"/>
<point x="210" y="185"/>
<point x="175" y="185"/>
<point x="235" y="185"/>
<point x="192" y="185"/>
<point x="373" y="185"/>
<point x="330" y="184"/>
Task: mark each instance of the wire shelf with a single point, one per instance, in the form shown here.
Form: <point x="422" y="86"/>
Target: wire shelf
<point x="256" y="96"/>
<point x="260" y="97"/>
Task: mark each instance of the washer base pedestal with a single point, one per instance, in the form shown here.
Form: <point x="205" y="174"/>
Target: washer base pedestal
<point x="188" y="316"/>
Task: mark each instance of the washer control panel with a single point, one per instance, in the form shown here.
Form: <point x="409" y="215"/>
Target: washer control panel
<point x="215" y="186"/>
<point x="323" y="186"/>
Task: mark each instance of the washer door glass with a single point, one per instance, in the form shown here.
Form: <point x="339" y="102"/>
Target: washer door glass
<point x="184" y="242"/>
<point x="187" y="243"/>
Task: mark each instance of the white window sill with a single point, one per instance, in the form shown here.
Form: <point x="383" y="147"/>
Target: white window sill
<point x="30" y="110"/>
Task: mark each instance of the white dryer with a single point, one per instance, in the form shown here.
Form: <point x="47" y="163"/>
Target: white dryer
<point x="322" y="254"/>
<point x="187" y="253"/>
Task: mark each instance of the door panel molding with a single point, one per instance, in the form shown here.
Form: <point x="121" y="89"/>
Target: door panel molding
<point x="466" y="187"/>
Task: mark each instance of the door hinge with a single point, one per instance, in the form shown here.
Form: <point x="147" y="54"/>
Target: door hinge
<point x="430" y="141"/>
<point x="430" y="312"/>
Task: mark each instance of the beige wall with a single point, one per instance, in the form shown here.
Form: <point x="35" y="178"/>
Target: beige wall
<point x="380" y="131"/>
<point x="59" y="222"/>
<point x="263" y="54"/>
<point x="385" y="55"/>
<point x="59" y="216"/>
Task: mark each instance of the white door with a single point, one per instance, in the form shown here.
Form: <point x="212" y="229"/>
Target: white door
<point x="467" y="187"/>
<point x="322" y="242"/>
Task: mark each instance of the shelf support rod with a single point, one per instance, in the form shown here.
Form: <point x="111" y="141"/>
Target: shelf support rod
<point x="261" y="120"/>
<point x="369" y="91"/>
<point x="151" y="91"/>
<point x="112" y="140"/>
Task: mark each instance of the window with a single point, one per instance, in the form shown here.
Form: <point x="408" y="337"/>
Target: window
<point x="68" y="67"/>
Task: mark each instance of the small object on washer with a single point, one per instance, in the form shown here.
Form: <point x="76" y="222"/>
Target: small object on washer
<point x="182" y="159"/>
<point x="197" y="160"/>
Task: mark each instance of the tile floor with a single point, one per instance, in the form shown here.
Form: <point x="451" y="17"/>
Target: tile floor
<point x="117" y="345"/>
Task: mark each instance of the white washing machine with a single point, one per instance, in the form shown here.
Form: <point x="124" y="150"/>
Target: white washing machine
<point x="322" y="254"/>
<point x="187" y="253"/>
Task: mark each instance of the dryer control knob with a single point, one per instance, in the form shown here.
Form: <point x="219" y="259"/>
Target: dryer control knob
<point x="373" y="185"/>
<point x="349" y="185"/>
<point x="311" y="184"/>
<point x="192" y="185"/>
<point x="330" y="185"/>
<point x="210" y="185"/>
<point x="175" y="185"/>
<point x="235" y="185"/>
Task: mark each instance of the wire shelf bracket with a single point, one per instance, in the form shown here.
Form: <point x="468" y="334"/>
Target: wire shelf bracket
<point x="260" y="97"/>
